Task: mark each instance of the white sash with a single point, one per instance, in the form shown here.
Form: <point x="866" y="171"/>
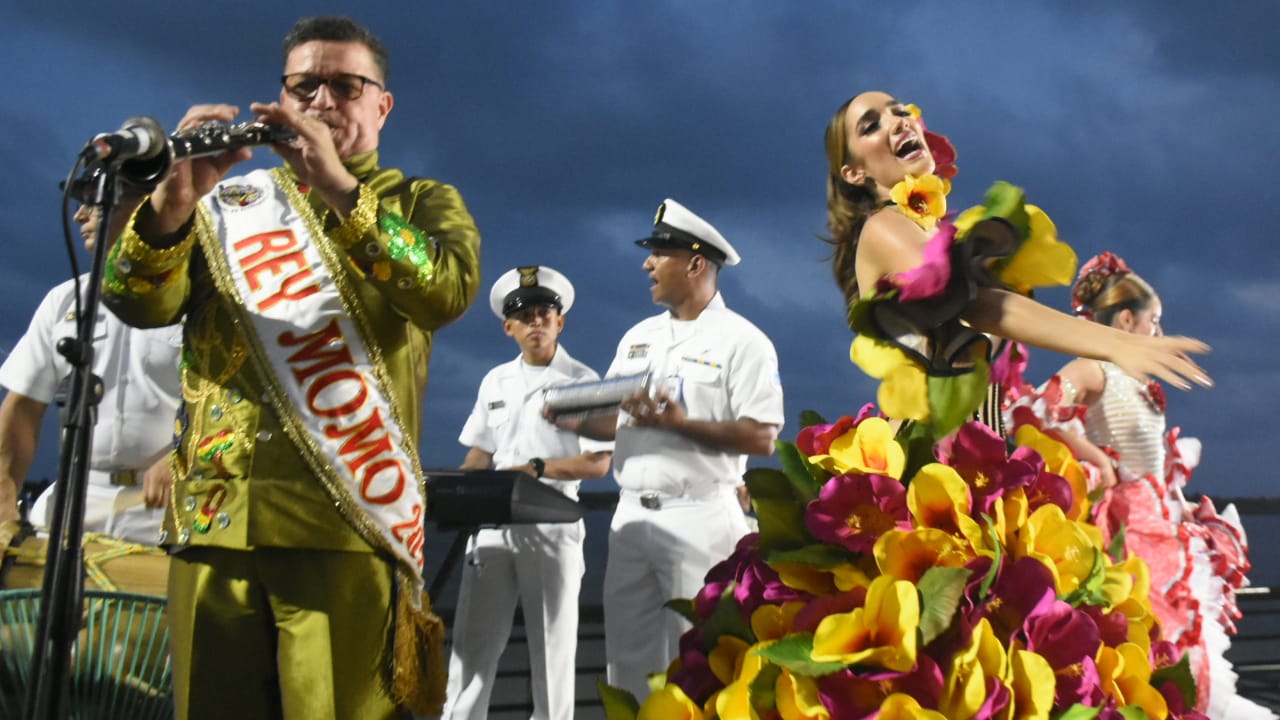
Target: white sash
<point x="312" y="341"/>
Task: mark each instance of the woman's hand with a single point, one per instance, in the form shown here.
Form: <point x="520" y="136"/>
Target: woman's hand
<point x="1165" y="357"/>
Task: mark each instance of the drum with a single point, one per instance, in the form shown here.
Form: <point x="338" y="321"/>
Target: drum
<point x="110" y="564"/>
<point x="120" y="662"/>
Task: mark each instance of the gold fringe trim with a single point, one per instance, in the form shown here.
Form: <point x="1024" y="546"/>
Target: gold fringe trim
<point x="362" y="217"/>
<point x="419" y="674"/>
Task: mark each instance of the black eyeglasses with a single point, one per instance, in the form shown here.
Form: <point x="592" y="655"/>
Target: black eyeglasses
<point x="347" y="86"/>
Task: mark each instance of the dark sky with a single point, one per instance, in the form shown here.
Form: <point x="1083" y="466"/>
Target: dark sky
<point x="1146" y="128"/>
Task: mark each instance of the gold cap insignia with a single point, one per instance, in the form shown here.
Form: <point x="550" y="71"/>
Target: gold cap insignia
<point x="528" y="276"/>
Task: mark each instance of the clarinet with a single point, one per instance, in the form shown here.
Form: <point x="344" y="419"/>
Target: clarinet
<point x="208" y="138"/>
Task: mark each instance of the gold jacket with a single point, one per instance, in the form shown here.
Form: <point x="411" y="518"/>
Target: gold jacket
<point x="239" y="480"/>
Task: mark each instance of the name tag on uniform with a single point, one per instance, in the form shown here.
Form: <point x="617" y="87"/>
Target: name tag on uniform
<point x="497" y="404"/>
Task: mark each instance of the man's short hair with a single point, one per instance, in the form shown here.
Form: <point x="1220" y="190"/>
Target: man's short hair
<point x="336" y="28"/>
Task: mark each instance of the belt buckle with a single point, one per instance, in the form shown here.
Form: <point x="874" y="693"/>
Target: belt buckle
<point x="124" y="478"/>
<point x="651" y="501"/>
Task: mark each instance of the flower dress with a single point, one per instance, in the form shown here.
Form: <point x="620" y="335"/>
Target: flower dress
<point x="1197" y="557"/>
<point x="931" y="569"/>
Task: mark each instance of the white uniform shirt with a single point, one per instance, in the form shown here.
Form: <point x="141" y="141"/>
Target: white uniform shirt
<point x="507" y="418"/>
<point x="721" y="368"/>
<point x="139" y="371"/>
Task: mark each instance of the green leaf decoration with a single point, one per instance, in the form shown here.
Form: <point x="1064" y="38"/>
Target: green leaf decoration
<point x="955" y="399"/>
<point x="618" y="704"/>
<point x="763" y="690"/>
<point x="1116" y="550"/>
<point x="726" y="619"/>
<point x="1180" y="675"/>
<point x="683" y="606"/>
<point x="1134" y="712"/>
<point x="799" y="472"/>
<point x="1090" y="590"/>
<point x="815" y="556"/>
<point x="1077" y="712"/>
<point x="780" y="515"/>
<point x="917" y="443"/>
<point x="941" y="589"/>
<point x="994" y="570"/>
<point x="795" y="653"/>
<point x="1007" y="202"/>
<point x="809" y="418"/>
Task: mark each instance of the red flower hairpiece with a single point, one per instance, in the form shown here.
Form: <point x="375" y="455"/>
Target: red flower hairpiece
<point x="1091" y="278"/>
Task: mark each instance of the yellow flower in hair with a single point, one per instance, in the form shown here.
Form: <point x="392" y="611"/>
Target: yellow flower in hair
<point x="923" y="199"/>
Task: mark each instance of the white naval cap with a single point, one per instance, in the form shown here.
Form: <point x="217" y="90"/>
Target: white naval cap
<point x="530" y="285"/>
<point x="677" y="227"/>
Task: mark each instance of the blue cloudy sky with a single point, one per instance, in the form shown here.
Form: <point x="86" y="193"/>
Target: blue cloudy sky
<point x="1145" y="127"/>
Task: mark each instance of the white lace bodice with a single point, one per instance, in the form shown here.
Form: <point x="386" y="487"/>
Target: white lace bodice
<point x="1125" y="420"/>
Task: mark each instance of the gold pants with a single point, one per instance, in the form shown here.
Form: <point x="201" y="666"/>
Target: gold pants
<point x="281" y="633"/>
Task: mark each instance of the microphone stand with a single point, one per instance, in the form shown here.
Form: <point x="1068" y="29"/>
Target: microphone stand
<point x="48" y="694"/>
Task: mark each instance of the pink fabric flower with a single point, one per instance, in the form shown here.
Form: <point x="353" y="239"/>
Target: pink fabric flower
<point x="855" y="510"/>
<point x="930" y="277"/>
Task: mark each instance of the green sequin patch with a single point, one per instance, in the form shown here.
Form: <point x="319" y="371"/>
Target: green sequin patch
<point x="407" y="242"/>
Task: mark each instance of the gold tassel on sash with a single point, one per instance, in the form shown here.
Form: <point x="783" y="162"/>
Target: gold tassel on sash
<point x="419" y="675"/>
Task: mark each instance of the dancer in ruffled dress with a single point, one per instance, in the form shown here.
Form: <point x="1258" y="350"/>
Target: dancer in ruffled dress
<point x="1116" y="423"/>
<point x="923" y="565"/>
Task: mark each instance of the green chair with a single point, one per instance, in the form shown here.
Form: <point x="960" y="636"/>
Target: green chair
<point x="120" y="661"/>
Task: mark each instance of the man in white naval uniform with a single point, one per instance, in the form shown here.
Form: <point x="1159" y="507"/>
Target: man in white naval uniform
<point x="541" y="564"/>
<point x="134" y="430"/>
<point x="715" y="398"/>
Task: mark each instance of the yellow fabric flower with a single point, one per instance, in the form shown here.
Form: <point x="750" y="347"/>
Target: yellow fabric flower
<point x="867" y="448"/>
<point x="821" y="581"/>
<point x="1061" y="544"/>
<point x="904" y="387"/>
<point x="881" y="633"/>
<point x="1040" y="260"/>
<point x="725" y="658"/>
<point x="1059" y="460"/>
<point x="669" y="703"/>
<point x="771" y="622"/>
<point x="939" y="498"/>
<point x="797" y="698"/>
<point x="908" y="554"/>
<point x="965" y="687"/>
<point x="1033" y="685"/>
<point x="923" y="199"/>
<point x="734" y="701"/>
<point x="1125" y="674"/>
<point x="904" y="707"/>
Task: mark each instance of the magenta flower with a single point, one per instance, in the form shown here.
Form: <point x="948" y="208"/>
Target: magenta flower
<point x="1009" y="365"/>
<point x="694" y="675"/>
<point x="857" y="696"/>
<point x="1022" y="588"/>
<point x="979" y="454"/>
<point x="1069" y="640"/>
<point x="855" y="510"/>
<point x="930" y="277"/>
<point x="754" y="582"/>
